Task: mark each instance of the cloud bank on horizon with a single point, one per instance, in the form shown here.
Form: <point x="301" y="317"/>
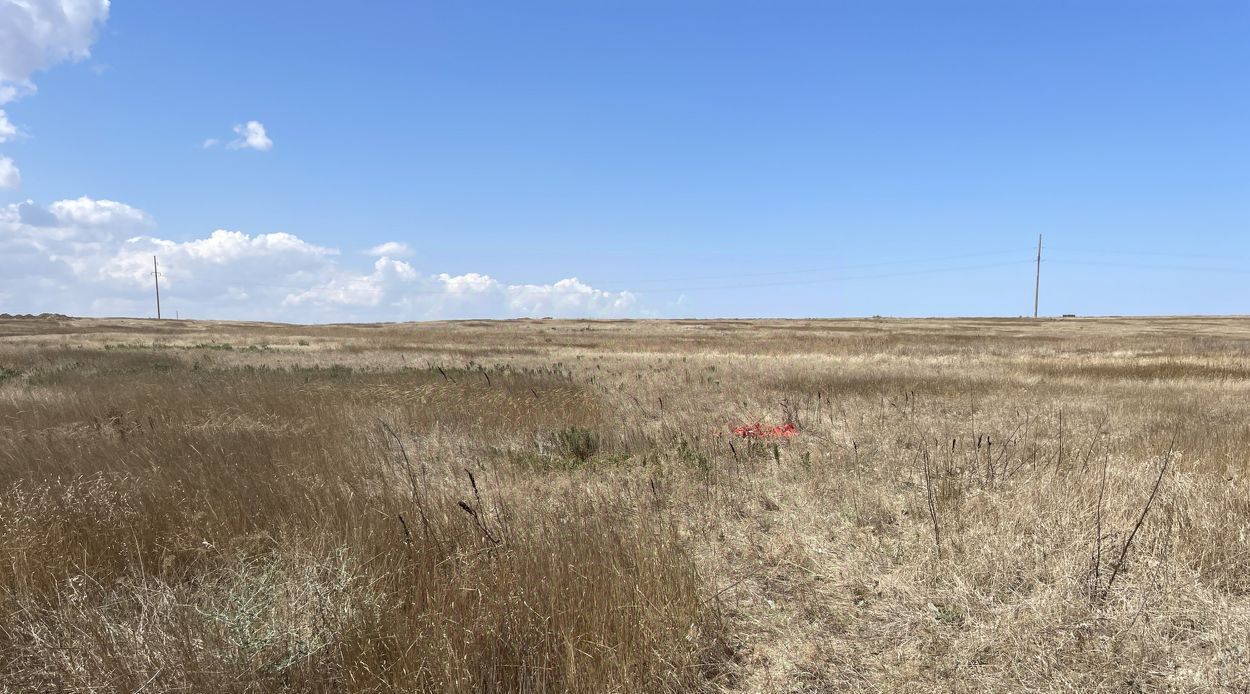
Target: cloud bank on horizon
<point x="94" y="257"/>
<point x="88" y="256"/>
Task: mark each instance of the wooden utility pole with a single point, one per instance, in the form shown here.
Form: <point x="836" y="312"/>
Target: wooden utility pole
<point x="1037" y="283"/>
<point x="156" y="275"/>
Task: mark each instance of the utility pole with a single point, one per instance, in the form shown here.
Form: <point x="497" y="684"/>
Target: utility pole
<point x="1037" y="283"/>
<point x="156" y="275"/>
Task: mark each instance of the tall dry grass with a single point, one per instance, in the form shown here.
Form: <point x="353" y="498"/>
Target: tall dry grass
<point x="557" y="506"/>
<point x="170" y="527"/>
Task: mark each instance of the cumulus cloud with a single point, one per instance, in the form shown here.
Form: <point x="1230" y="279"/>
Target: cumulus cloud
<point x="251" y="136"/>
<point x="94" y="257"/>
<point x="98" y="214"/>
<point x="34" y="36"/>
<point x="396" y="288"/>
<point x="8" y="131"/>
<point x="470" y="284"/>
<point x="37" y="34"/>
<point x="390" y="249"/>
<point x="10" y="177"/>
<point x="568" y="296"/>
<point x="357" y="290"/>
<point x="225" y="257"/>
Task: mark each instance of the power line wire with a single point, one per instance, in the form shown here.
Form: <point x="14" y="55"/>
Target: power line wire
<point x="853" y="277"/>
<point x="841" y="278"/>
<point x="1146" y="266"/>
<point x="804" y="271"/>
<point x="1126" y="251"/>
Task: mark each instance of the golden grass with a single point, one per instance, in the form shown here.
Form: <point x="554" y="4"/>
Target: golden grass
<point x="556" y="506"/>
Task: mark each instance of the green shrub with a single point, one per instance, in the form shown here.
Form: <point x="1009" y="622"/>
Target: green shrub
<point x="576" y="443"/>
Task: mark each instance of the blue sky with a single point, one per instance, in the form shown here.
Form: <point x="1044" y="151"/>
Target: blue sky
<point x="676" y="158"/>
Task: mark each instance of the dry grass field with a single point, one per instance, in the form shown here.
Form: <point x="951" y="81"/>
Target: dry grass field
<point x="560" y="506"/>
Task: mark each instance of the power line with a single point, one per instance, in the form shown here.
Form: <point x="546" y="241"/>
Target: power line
<point x="289" y="288"/>
<point x="633" y="284"/>
<point x="1127" y="251"/>
<point x="826" y="280"/>
<point x="757" y="285"/>
<point x="829" y="268"/>
<point x="1151" y="266"/>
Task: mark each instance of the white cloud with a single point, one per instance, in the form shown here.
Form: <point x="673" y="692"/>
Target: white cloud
<point x="209" y="143"/>
<point x="37" y="34"/>
<point x="34" y="36"/>
<point x="357" y="290"/>
<point x="8" y="131"/>
<point x="86" y="212"/>
<point x="205" y="265"/>
<point x="251" y="136"/>
<point x="567" y="297"/>
<point x="94" y="257"/>
<point x="395" y="288"/>
<point x="10" y="177"/>
<point x="469" y="284"/>
<point x="390" y="249"/>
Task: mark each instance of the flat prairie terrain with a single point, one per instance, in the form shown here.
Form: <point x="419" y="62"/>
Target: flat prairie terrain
<point x="561" y="506"/>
